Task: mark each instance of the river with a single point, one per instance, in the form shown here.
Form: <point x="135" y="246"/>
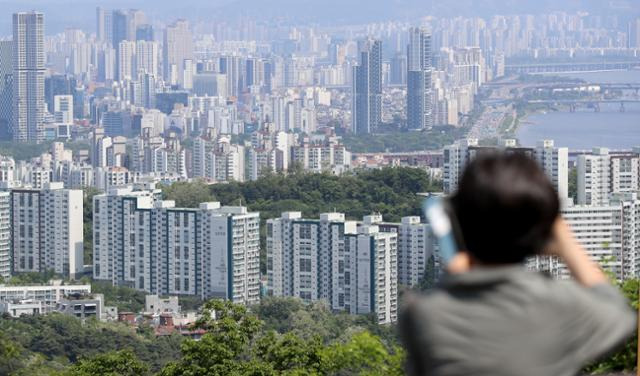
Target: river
<point x="585" y="129"/>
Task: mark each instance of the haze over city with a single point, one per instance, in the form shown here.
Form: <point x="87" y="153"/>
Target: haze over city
<point x="166" y="165"/>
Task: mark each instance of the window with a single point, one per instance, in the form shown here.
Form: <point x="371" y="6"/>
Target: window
<point x="186" y="253"/>
<point x="177" y="283"/>
<point x="305" y="265"/>
<point x="177" y="252"/>
<point x="186" y="284"/>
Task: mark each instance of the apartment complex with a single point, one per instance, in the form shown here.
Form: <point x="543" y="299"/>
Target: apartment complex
<point x="354" y="266"/>
<point x="148" y="244"/>
<point x="602" y="173"/>
<point x="553" y="160"/>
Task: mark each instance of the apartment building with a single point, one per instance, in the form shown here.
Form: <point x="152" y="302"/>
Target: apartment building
<point x="146" y="243"/>
<point x="553" y="160"/>
<point x="354" y="266"/>
<point x="47" y="230"/>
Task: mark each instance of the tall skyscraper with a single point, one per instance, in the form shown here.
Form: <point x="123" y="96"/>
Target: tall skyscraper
<point x="366" y="110"/>
<point x="144" y="32"/>
<point x="103" y="24"/>
<point x="6" y="88"/>
<point x="119" y="27"/>
<point x="419" y="96"/>
<point x="124" y="25"/>
<point x="178" y="46"/>
<point x="634" y="33"/>
<point x="28" y="77"/>
<point x="147" y="57"/>
<point x="126" y="60"/>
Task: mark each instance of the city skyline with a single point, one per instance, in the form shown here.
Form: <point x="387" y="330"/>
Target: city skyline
<point x="167" y="166"/>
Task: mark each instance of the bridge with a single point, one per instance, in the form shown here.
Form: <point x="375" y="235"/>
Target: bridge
<point x="570" y="67"/>
<point x="589" y="103"/>
<point x="603" y="86"/>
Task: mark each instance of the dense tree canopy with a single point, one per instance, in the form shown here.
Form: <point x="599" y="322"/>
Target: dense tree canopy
<point x="54" y="341"/>
<point x="187" y="194"/>
<point x="238" y="344"/>
<point x="389" y="191"/>
<point x="403" y="141"/>
<point x="116" y="363"/>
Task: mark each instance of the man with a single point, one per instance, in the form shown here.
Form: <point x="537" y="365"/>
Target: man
<point x="489" y="315"/>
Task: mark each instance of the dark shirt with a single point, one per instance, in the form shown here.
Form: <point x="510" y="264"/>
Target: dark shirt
<point x="508" y="321"/>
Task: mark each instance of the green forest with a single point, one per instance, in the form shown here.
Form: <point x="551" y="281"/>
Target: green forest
<point x="391" y="192"/>
<point x="280" y="336"/>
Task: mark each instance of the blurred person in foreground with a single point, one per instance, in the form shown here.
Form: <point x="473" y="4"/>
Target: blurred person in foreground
<point x="489" y="315"/>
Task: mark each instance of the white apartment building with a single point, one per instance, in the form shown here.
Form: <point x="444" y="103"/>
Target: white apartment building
<point x="352" y="267"/>
<point x="455" y="159"/>
<point x="148" y="244"/>
<point x="416" y="246"/>
<point x="49" y="295"/>
<point x="553" y="160"/>
<point x="625" y="172"/>
<point x="371" y="260"/>
<point x="218" y="161"/>
<point x="599" y="229"/>
<point x="47" y="230"/>
<point x="629" y="204"/>
<point x="594" y="177"/>
<point x="5" y="234"/>
<point x="329" y="155"/>
<point x="63" y="109"/>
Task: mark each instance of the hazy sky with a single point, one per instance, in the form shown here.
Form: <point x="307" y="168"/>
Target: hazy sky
<point x="81" y="13"/>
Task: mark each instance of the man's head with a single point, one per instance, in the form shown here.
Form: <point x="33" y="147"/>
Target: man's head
<point x="506" y="207"/>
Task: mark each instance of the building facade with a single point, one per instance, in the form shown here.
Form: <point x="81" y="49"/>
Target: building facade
<point x="28" y="77"/>
<point x="366" y="111"/>
<point x="47" y="230"/>
<point x="148" y="244"/>
<point x="419" y="71"/>
<point x="353" y="266"/>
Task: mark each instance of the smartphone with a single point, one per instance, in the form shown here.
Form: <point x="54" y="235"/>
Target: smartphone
<point x="444" y="225"/>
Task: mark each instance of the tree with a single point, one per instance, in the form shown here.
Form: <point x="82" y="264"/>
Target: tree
<point x="230" y="328"/>
<point x="117" y="363"/>
<point x="573" y="183"/>
<point x="8" y="355"/>
<point x="430" y="275"/>
<point x="187" y="194"/>
<point x="364" y="354"/>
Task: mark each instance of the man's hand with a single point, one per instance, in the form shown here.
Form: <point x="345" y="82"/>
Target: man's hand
<point x="565" y="246"/>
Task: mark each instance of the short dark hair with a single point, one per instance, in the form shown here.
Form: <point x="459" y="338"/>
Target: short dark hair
<point x="506" y="207"/>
